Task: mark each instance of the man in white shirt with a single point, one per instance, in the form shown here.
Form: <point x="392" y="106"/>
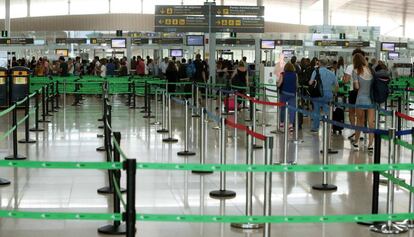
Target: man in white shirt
<point x="164" y="65"/>
<point x="102" y="68"/>
<point x="353" y="93"/>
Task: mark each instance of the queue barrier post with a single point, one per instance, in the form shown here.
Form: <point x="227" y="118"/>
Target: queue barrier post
<point x="27" y="139"/>
<point x="255" y="145"/>
<point x="170" y="138"/>
<point x="116" y="228"/>
<point x="15" y="155"/>
<point x="103" y="101"/>
<point x="330" y="150"/>
<point x="296" y="139"/>
<point x="202" y="142"/>
<point x="375" y="174"/>
<point x="249" y="189"/>
<point x="186" y="151"/>
<point x="285" y="136"/>
<point x="105" y="118"/>
<point x="196" y="105"/>
<point x="163" y="119"/>
<point x="390" y="227"/>
<point x="264" y="110"/>
<point x="156" y="122"/>
<point x="129" y="100"/>
<point x="325" y="186"/>
<point x="145" y="107"/>
<point x="130" y="165"/>
<point x="148" y="115"/>
<point x="52" y="98"/>
<point x="36" y="128"/>
<point x="134" y="96"/>
<point x="410" y="223"/>
<point x="222" y="192"/>
<point x="44" y="106"/>
<point x="48" y="100"/>
<point x="267" y="205"/>
<point x="57" y="106"/>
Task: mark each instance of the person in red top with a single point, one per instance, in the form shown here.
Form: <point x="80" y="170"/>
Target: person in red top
<point x="140" y="66"/>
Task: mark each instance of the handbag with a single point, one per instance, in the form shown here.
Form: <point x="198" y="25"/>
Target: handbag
<point x="316" y="88"/>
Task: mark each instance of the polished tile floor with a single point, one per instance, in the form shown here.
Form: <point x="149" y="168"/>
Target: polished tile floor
<point x="72" y="136"/>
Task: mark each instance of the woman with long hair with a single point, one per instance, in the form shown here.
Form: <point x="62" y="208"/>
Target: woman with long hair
<point x="362" y="80"/>
<point x="171" y="73"/>
<point x="287" y="84"/>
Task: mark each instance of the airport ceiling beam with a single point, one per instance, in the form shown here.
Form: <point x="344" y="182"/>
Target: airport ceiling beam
<point x="28" y="8"/>
<point x="325" y="12"/>
<point x="259" y="2"/>
<point x="368" y="11"/>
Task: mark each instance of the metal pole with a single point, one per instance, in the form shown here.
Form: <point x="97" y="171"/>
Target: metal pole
<point x="27" y="123"/>
<point x="157" y="122"/>
<point x="195" y="101"/>
<point x="170" y="135"/>
<point x="44" y="106"/>
<point x="131" y="166"/>
<point x="36" y="128"/>
<point x="325" y="186"/>
<point x="330" y="150"/>
<point x="186" y="151"/>
<point x="202" y="145"/>
<point x="390" y="227"/>
<point x="15" y="155"/>
<point x="285" y="136"/>
<point x="249" y="188"/>
<point x="236" y="111"/>
<point x="410" y="223"/>
<point x="255" y="146"/>
<point x="222" y="192"/>
<point x="296" y="118"/>
<point x="57" y="96"/>
<point x="267" y="206"/>
<point x="163" y="119"/>
<point x="116" y="228"/>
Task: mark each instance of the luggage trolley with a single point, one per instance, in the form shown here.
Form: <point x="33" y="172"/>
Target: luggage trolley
<point x="19" y="83"/>
<point x="4" y="91"/>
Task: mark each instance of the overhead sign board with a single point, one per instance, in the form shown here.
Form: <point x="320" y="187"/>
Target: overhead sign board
<point x="238" y="10"/>
<point x="236" y="41"/>
<point x="180" y="10"/>
<point x="70" y="40"/>
<point x="338" y="43"/>
<point x="16" y="41"/>
<point x="139" y="41"/>
<point x="99" y="41"/>
<point x="244" y="19"/>
<point x="279" y="42"/>
<point x="167" y="41"/>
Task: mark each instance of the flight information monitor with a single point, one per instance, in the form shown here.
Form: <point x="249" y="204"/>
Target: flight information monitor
<point x="62" y="52"/>
<point x="388" y="47"/>
<point x="176" y="53"/>
<point x="195" y="40"/>
<point x="118" y="43"/>
<point x="393" y="55"/>
<point x="267" y="44"/>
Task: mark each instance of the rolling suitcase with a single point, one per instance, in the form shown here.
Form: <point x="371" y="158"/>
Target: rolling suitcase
<point x="338" y="116"/>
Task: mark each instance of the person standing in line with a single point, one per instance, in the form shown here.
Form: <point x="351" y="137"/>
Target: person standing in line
<point x="172" y="76"/>
<point x="330" y="84"/>
<point x="353" y="92"/>
<point x="163" y="66"/>
<point x="288" y="84"/>
<point x="240" y="77"/>
<point x="71" y="67"/>
<point x="140" y="66"/>
<point x="102" y="68"/>
<point x="362" y="80"/>
<point x="134" y="65"/>
<point x="110" y="68"/>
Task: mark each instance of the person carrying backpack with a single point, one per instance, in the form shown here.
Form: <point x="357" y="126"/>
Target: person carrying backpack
<point x="329" y="84"/>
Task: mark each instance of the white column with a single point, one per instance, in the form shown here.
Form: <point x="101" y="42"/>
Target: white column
<point x="404" y="18"/>
<point x="142" y="6"/>
<point x="109" y="6"/>
<point x="7" y="17"/>
<point x="28" y="7"/>
<point x="68" y="7"/>
<point x="325" y="12"/>
<point x="300" y="11"/>
<point x="259" y="3"/>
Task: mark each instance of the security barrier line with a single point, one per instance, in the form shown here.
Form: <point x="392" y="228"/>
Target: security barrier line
<point x="60" y="215"/>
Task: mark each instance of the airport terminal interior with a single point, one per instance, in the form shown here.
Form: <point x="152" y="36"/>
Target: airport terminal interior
<point x="206" y="118"/>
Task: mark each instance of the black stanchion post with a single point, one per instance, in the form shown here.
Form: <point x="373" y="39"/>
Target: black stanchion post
<point x="48" y="100"/>
<point x="170" y="138"/>
<point x="202" y="142"/>
<point x="148" y="115"/>
<point x="15" y="155"/>
<point x="134" y="99"/>
<point x="36" y="128"/>
<point x="44" y="106"/>
<point x="163" y="120"/>
<point x="57" y="96"/>
<point x="52" y="98"/>
<point x="130" y="216"/>
<point x="145" y="98"/>
<point x="267" y="205"/>
<point x="116" y="228"/>
<point x="27" y="123"/>
<point x="105" y="118"/>
<point x="129" y="94"/>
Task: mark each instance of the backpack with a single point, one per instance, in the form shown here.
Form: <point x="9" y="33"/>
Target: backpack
<point x="316" y="89"/>
<point x="190" y="70"/>
<point x="379" y="89"/>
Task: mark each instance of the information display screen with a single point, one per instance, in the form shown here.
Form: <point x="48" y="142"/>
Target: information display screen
<point x="288" y="52"/>
<point x="393" y="55"/>
<point x="62" y="52"/>
<point x="118" y="43"/>
<point x="267" y="44"/>
<point x="195" y="40"/>
<point x="388" y="47"/>
<point x="176" y="53"/>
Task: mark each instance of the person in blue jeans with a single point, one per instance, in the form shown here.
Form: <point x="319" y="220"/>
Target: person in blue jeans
<point x="330" y="84"/>
<point x="288" y="84"/>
